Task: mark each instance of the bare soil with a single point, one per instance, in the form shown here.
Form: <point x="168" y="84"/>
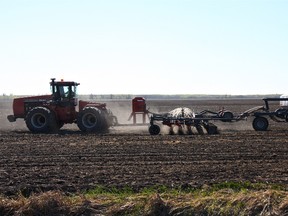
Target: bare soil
<point x="71" y="161"/>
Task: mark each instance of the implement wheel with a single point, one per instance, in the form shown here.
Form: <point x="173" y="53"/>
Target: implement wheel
<point x="154" y="129"/>
<point x="227" y="116"/>
<point x="211" y="128"/>
<point x="199" y="129"/>
<point x="260" y="124"/>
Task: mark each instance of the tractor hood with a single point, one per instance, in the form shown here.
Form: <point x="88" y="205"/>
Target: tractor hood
<point x="18" y="104"/>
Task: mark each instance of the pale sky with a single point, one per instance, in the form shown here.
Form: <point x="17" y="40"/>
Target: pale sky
<point x="145" y="46"/>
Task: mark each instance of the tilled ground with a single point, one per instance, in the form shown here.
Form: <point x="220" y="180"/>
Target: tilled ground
<point x="128" y="156"/>
<point x="74" y="162"/>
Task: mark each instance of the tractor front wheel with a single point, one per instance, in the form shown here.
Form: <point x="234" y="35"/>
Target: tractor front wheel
<point x="40" y="120"/>
<point x="260" y="124"/>
<point x="89" y="120"/>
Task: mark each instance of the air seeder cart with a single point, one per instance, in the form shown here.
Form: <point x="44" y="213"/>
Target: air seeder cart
<point x="261" y="123"/>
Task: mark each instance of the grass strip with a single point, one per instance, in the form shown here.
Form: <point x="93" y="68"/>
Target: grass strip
<point x="228" y="198"/>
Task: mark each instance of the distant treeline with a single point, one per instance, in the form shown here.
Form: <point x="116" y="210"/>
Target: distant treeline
<point x="174" y="97"/>
<point x="159" y="96"/>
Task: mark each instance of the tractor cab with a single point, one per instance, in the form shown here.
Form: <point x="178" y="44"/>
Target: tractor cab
<point x="64" y="93"/>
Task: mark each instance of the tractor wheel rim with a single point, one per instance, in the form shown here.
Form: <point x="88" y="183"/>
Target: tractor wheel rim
<point x="89" y="120"/>
<point x="38" y="120"/>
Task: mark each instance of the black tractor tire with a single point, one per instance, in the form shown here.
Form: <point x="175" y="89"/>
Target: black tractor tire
<point x="60" y="124"/>
<point x="90" y="120"/>
<point x="154" y="129"/>
<point x="40" y="120"/>
<point x="227" y="116"/>
<point x="260" y="124"/>
<point x="105" y="121"/>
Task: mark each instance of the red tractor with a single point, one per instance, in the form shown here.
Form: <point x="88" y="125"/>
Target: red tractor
<point x="48" y="113"/>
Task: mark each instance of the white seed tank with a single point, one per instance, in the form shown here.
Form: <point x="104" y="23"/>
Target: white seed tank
<point x="183" y="112"/>
<point x="284" y="103"/>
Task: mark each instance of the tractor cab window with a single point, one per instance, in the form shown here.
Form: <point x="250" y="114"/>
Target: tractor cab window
<point x="66" y="92"/>
<point x="72" y="92"/>
<point x="62" y="90"/>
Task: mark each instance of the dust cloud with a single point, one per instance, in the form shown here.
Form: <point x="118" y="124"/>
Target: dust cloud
<point x="122" y="109"/>
<point x="5" y="110"/>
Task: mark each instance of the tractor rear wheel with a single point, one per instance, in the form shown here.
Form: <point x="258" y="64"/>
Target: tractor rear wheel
<point x="154" y="129"/>
<point x="90" y="120"/>
<point x="40" y="120"/>
<point x="260" y="124"/>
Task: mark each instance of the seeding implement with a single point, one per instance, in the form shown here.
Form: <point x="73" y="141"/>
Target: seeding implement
<point x="202" y="120"/>
<point x="184" y="118"/>
<point x="48" y="113"/>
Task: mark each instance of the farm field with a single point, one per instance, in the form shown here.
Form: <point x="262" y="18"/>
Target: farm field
<point x="73" y="162"/>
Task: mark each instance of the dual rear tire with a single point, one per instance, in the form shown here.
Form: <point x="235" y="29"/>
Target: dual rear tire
<point x="90" y="119"/>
